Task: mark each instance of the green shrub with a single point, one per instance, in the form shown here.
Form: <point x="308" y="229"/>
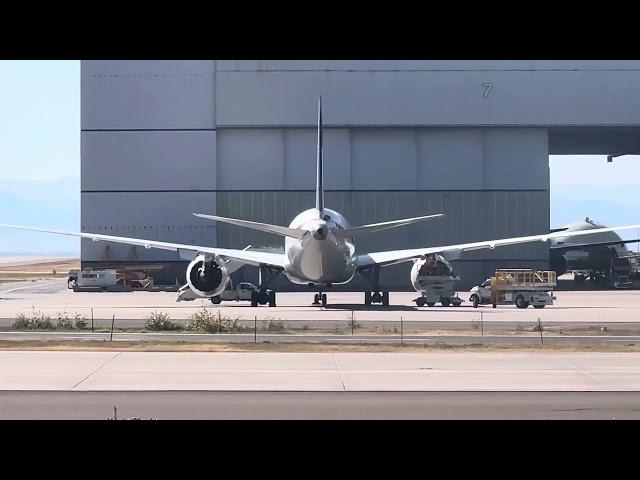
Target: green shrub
<point x="205" y="321"/>
<point x="63" y="321"/>
<point x="40" y="321"/>
<point x="271" y="324"/>
<point x="22" y="322"/>
<point x="158" y="321"/>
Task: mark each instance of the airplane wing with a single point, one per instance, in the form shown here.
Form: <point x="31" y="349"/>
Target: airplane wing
<point x="185" y="251"/>
<point x="563" y="247"/>
<point x="397" y="256"/>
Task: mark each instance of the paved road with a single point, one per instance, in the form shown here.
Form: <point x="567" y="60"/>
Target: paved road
<point x="269" y="371"/>
<point x="502" y="340"/>
<point x="320" y="405"/>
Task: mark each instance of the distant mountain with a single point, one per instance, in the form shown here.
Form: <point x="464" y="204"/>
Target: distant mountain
<point x="53" y="204"/>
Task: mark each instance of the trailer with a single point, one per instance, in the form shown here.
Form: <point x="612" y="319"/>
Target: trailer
<point x="522" y="287"/>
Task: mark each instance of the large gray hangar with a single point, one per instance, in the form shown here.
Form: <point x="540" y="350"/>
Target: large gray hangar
<point x="164" y="139"/>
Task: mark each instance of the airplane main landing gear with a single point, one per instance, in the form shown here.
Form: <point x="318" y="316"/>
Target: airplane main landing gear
<point x="378" y="295"/>
<point x="320" y="298"/>
<point x="265" y="296"/>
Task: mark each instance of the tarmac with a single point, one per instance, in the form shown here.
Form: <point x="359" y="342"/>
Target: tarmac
<point x="52" y="296"/>
<point x="320" y="405"/>
<point x="320" y="372"/>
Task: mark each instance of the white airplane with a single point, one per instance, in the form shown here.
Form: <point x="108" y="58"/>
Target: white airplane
<point x="319" y="250"/>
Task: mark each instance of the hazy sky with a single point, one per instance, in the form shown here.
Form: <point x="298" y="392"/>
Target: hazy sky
<point x="39" y="119"/>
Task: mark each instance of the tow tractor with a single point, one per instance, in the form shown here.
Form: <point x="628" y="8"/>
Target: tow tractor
<point x="522" y="287"/>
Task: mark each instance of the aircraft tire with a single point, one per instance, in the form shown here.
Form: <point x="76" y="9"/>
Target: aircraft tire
<point x="324" y="299"/>
<point x="367" y="298"/>
<point x="385" y="299"/>
<point x="272" y="299"/>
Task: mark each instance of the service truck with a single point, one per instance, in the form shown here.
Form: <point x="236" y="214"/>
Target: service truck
<point x="522" y="287"/>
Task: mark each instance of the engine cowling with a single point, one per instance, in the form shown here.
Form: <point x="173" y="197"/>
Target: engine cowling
<point x="207" y="278"/>
<point x="434" y="269"/>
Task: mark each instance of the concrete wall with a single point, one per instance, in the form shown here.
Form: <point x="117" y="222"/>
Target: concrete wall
<point x="163" y="139"/>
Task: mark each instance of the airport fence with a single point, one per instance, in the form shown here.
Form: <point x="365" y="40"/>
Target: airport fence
<point x="331" y="325"/>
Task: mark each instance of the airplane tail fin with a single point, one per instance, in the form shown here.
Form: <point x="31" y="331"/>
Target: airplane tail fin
<point x="320" y="170"/>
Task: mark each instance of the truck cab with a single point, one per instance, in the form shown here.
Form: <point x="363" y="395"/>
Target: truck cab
<point x="481" y="294"/>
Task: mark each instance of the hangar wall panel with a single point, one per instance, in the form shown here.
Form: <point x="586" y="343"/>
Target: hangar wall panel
<point x="425" y="65"/>
<point x="155" y="160"/>
<point x="165" y="216"/>
<point x="383" y="159"/>
<point x="148" y="95"/>
<point x="300" y="158"/>
<point x="435" y="98"/>
<point x="251" y="159"/>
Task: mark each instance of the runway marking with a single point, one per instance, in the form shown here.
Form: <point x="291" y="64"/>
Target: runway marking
<point x="97" y="369"/>
<point x="31" y="286"/>
<point x="335" y="362"/>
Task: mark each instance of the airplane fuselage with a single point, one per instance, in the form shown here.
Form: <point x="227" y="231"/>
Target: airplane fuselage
<point x="322" y="256"/>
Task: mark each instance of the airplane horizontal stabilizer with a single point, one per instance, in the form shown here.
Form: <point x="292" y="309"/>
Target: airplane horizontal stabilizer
<point x="376" y="227"/>
<point x="264" y="227"/>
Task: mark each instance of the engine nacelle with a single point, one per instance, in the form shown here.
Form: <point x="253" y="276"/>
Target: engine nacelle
<point x="207" y="278"/>
<point x="429" y="271"/>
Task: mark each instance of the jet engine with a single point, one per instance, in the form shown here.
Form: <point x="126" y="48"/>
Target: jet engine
<point x="430" y="270"/>
<point x="207" y="277"/>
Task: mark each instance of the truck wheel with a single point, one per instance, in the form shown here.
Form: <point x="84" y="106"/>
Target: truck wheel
<point x="521" y="302"/>
<point x="538" y="306"/>
<point x="476" y="301"/>
<point x="430" y="304"/>
<point x="457" y="304"/>
<point x="215" y="300"/>
<point x="445" y="302"/>
<point x="254" y="299"/>
<point x="420" y="302"/>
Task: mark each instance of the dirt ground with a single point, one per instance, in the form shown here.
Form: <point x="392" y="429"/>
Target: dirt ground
<point x="124" y="346"/>
<point x="40" y="269"/>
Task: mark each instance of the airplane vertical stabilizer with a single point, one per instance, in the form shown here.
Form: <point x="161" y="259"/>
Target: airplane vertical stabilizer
<point x="320" y="171"/>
